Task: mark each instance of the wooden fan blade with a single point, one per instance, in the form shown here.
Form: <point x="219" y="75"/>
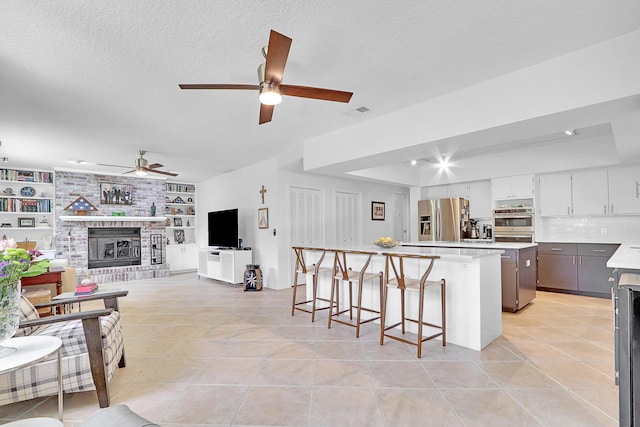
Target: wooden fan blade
<point x="266" y="113"/>
<point x="219" y="86"/>
<point x="316" y="93"/>
<point x="277" y="53"/>
<point x="161" y="172"/>
<point x="155" y="165"/>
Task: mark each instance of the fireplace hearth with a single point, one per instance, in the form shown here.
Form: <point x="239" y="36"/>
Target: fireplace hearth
<point x="114" y="247"/>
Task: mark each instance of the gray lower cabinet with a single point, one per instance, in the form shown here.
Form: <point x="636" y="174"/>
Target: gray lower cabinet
<point x="576" y="267"/>
<point x="519" y="271"/>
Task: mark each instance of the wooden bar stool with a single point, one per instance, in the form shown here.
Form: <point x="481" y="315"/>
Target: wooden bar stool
<point x="301" y="267"/>
<point x="396" y="279"/>
<point x="342" y="273"/>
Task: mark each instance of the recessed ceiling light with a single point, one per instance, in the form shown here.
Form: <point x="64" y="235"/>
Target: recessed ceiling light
<point x="78" y="162"/>
<point x="414" y="162"/>
<point x="571" y="132"/>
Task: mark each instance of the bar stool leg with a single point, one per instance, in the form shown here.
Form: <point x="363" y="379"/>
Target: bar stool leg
<point x="295" y="288"/>
<point x="420" y="320"/>
<point x="334" y="285"/>
<point x="383" y="313"/>
<point x="359" y="310"/>
<point x="313" y="303"/>
<point x="443" y="291"/>
<point x="402" y="309"/>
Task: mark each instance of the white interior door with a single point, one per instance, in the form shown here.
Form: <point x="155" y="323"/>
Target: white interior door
<point x="400" y="217"/>
<point x="348" y="219"/>
<point x="306" y="219"/>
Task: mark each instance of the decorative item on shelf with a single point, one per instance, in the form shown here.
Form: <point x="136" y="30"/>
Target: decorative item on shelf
<point x="178" y="200"/>
<point x="153" y="209"/>
<point x="27" y="191"/>
<point x="167" y="222"/>
<point x="178" y="236"/>
<point x="179" y="211"/>
<point x="263" y="218"/>
<point x="177" y="222"/>
<point x="6" y="225"/>
<point x="80" y="206"/>
<point x="253" y="278"/>
<point x="115" y="194"/>
<point x="26" y="222"/>
<point x="8" y="192"/>
<point x="386" y="242"/>
<point x="43" y="194"/>
<point x="377" y="211"/>
<point x="190" y="211"/>
<point x="188" y="223"/>
<point x="43" y="222"/>
<point x="116" y="213"/>
<point x="16" y="263"/>
<point x="189" y="200"/>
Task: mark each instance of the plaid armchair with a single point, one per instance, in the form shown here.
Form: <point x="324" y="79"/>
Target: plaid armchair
<point x="92" y="349"/>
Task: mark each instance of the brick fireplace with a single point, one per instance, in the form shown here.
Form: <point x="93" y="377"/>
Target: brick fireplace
<point x="72" y="232"/>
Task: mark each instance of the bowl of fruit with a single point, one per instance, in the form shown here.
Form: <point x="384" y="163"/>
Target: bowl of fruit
<point x="386" y="242"/>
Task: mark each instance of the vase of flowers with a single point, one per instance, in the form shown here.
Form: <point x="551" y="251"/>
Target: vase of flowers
<point x="15" y="263"/>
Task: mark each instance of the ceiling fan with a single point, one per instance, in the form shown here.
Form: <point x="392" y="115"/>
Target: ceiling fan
<point x="142" y="166"/>
<point x="270" y="78"/>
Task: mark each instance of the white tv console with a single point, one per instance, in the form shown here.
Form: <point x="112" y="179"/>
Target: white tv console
<point x="225" y="265"/>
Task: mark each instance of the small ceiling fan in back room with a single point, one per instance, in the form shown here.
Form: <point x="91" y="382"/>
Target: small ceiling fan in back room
<point x="142" y="166"/>
<point x="270" y="80"/>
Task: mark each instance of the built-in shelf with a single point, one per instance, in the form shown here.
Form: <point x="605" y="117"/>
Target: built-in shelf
<point x="88" y="218"/>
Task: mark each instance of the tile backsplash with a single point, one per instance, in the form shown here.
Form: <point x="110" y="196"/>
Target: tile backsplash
<point x="596" y="229"/>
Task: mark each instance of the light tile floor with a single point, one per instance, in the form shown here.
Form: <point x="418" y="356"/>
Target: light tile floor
<point x="204" y="353"/>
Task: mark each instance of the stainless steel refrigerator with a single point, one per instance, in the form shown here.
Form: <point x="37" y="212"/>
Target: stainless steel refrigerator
<point x="443" y="220"/>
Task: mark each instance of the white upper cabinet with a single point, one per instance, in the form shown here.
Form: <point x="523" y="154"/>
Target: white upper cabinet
<point x="590" y="192"/>
<point x="555" y="194"/>
<point x="480" y="199"/>
<point x="437" y="192"/>
<point x="512" y="187"/>
<point x="624" y="190"/>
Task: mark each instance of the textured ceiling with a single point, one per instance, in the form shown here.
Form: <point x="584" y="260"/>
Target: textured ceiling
<point x="97" y="80"/>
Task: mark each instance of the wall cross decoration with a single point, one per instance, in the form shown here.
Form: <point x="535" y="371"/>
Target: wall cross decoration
<point x="262" y="191"/>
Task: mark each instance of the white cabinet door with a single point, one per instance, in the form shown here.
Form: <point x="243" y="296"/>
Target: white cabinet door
<point x="512" y="187"/>
<point x="480" y="199"/>
<point x="174" y="257"/>
<point x="437" y="192"/>
<point x="501" y="188"/>
<point x="624" y="190"/>
<point x="590" y="193"/>
<point x="555" y="194"/>
<point x="458" y="190"/>
<point x="522" y="186"/>
<point x="190" y="257"/>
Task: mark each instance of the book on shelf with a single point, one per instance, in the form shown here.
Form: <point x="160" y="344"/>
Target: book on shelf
<point x="86" y="289"/>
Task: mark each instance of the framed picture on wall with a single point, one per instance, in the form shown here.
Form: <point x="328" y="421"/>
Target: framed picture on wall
<point x="377" y="211"/>
<point x="263" y="218"/>
<point x="115" y="194"/>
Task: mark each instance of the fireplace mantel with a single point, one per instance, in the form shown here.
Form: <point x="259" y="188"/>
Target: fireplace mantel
<point x="89" y="218"/>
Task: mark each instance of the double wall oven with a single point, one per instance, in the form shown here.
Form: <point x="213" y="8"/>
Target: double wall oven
<point x="514" y="224"/>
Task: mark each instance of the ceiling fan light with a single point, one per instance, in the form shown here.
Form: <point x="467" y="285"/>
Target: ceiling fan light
<point x="270" y="95"/>
<point x="141" y="172"/>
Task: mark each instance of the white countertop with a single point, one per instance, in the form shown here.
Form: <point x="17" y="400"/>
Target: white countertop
<point x="627" y="256"/>
<point x="472" y="245"/>
<point x="445" y="253"/>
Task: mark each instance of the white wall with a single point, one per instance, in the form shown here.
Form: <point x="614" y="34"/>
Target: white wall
<point x="240" y="189"/>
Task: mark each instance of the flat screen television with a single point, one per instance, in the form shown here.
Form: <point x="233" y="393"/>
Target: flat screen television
<point x="223" y="228"/>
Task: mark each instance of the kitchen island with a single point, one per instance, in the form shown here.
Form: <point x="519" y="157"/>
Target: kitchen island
<point x="519" y="268"/>
<point x="473" y="292"/>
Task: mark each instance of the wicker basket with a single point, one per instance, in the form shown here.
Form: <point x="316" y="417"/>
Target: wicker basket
<point x="30" y="246"/>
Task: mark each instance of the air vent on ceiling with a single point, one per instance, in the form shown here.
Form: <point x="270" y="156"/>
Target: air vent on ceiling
<point x="358" y="111"/>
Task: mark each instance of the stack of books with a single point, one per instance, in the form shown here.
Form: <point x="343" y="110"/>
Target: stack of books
<point x="86" y="288"/>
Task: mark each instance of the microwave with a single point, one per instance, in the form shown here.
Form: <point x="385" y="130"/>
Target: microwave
<point x="514" y="224"/>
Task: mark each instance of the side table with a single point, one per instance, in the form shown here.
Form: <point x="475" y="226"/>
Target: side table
<point x="30" y="350"/>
